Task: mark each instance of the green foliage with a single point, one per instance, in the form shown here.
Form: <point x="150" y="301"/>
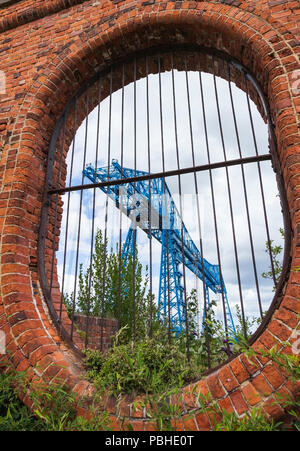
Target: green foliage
<point x="286" y="361"/>
<point x="153" y="365"/>
<point x="276" y="251"/>
<point x="156" y="367"/>
<point x="289" y="363"/>
<point x="254" y="420"/>
<point x="207" y="350"/>
<point x="14" y="416"/>
<point x="54" y="408"/>
<point x="116" y="290"/>
<point x="148" y="366"/>
<point x="221" y="420"/>
<point x="157" y="364"/>
<point x="160" y="409"/>
<point x="245" y="326"/>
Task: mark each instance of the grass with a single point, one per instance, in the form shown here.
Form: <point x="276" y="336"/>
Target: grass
<point x="156" y="370"/>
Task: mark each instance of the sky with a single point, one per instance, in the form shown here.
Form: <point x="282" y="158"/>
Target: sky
<point x="113" y="123"/>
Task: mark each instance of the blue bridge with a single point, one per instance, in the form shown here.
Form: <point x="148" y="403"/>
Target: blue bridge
<point x="150" y="206"/>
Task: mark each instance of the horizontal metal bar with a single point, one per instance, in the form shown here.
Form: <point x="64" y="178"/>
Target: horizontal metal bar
<point x="201" y="168"/>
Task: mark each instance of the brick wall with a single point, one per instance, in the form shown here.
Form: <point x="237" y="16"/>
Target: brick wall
<point x="100" y="332"/>
<point x="48" y="48"/>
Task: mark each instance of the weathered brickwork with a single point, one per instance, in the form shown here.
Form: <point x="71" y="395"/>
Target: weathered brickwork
<point x="48" y="48"/>
<point x="99" y="333"/>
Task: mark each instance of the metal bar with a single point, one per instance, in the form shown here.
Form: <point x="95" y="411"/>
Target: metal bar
<point x="246" y="201"/>
<point x="134" y="185"/>
<point x="150" y="197"/>
<point x="67" y="220"/>
<point x="56" y="203"/>
<point x="165" y="224"/>
<point x="261" y="185"/>
<point x="106" y="215"/>
<point x="181" y="211"/>
<point x="121" y="214"/>
<point x="198" y="211"/>
<point x="80" y="204"/>
<point x="171" y="173"/>
<point x="213" y="199"/>
<point x="93" y="221"/>
<point x="230" y="206"/>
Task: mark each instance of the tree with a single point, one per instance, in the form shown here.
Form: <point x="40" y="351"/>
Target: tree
<point x="110" y="288"/>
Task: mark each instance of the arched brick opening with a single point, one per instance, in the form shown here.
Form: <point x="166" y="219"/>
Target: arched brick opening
<point x="264" y="49"/>
<point x="210" y="60"/>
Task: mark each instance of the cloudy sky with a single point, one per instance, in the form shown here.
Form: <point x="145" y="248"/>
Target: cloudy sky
<point x="187" y="181"/>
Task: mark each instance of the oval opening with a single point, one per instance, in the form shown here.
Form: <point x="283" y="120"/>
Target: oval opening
<point x="166" y="159"/>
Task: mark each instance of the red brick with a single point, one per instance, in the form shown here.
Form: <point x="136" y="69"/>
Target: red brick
<point x="287" y="317"/>
<point x="261" y="385"/>
<point x="124" y="408"/>
<point x="190" y="398"/>
<point x="111" y="404"/>
<point x="251" y="363"/>
<point x="238" y="402"/>
<point x="239" y="370"/>
<point x="273" y="376"/>
<point x="190" y="423"/>
<point x="137" y="425"/>
<point x="149" y="425"/>
<point x="260" y="352"/>
<point x="227" y="378"/>
<point x="226" y="404"/>
<point x="30" y="109"/>
<point x="268" y="340"/>
<point x="251" y="394"/>
<point x="291" y="304"/>
<point x="137" y="408"/>
<point x="215" y="387"/>
<point x="114" y="424"/>
<point x="202" y="421"/>
<point x="272" y="408"/>
<point x="279" y="330"/>
<point x="176" y="423"/>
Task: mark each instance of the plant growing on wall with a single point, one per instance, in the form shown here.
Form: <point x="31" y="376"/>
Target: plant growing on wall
<point x="275" y="250"/>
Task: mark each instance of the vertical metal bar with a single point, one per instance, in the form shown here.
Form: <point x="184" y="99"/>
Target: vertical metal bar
<point x="67" y="217"/>
<point x="198" y="207"/>
<point x="56" y="203"/>
<point x="230" y="204"/>
<point x="261" y="184"/>
<point x="93" y="221"/>
<point x="150" y="197"/>
<point x="213" y="201"/>
<point x="180" y="209"/>
<point x="80" y="203"/>
<point x="120" y="218"/>
<point x="106" y="214"/>
<point x="164" y="223"/>
<point x="135" y="230"/>
<point x="246" y="200"/>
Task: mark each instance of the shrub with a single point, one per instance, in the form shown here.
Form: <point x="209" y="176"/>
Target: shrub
<point x="149" y="366"/>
